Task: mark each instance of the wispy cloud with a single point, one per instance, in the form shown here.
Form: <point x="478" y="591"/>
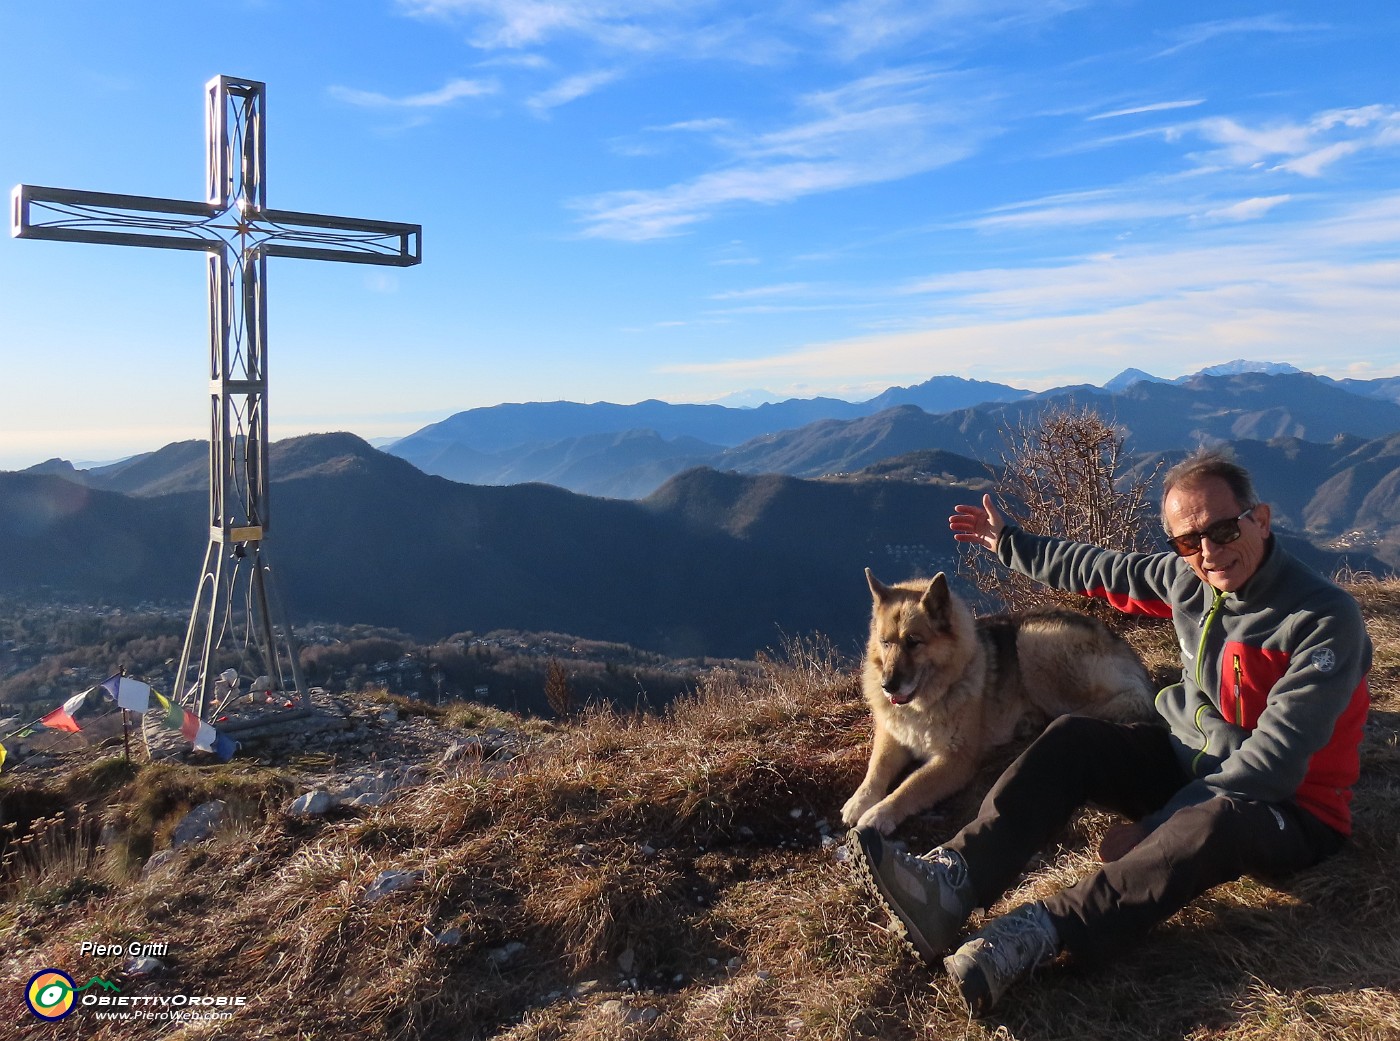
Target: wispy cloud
<point x="763" y="292"/>
<point x="1158" y="106"/>
<point x="1203" y="32"/>
<point x="755" y="34"/>
<point x="516" y="60"/>
<point x="571" y="88"/>
<point x="859" y="27"/>
<point x="1247" y="209"/>
<point x="1124" y="206"/>
<point x="452" y="91"/>
<point x="879" y="128"/>
<point x="627" y="25"/>
<point x="695" y="126"/>
<point x="1306" y="148"/>
<point x="1127" y="206"/>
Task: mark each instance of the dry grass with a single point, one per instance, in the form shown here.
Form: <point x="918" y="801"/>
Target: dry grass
<point x="668" y="878"/>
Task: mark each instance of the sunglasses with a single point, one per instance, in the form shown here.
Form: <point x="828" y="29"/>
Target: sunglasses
<point x="1222" y="533"/>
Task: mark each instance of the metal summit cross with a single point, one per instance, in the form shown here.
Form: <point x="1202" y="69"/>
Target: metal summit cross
<point x="237" y="232"/>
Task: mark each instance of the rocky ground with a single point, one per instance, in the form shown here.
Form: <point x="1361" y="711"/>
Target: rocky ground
<point x="350" y="750"/>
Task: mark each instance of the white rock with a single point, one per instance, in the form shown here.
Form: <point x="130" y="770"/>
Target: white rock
<point x="159" y="861"/>
<point x="372" y="799"/>
<point x="390" y="882"/>
<point x="312" y="804"/>
<point x="384" y="781"/>
<point x="501" y="955"/>
<point x="199" y="824"/>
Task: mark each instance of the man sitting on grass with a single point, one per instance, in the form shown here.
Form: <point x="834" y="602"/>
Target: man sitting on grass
<point x="1252" y="774"/>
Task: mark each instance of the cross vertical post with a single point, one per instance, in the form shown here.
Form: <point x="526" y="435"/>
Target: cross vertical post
<point x="237" y="232"/>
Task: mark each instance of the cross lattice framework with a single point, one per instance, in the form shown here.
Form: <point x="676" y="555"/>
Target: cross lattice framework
<point x="237" y="232"/>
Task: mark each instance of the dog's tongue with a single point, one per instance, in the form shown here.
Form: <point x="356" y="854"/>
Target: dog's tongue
<point x="899" y="699"/>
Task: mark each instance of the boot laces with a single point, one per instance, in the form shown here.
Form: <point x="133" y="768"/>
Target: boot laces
<point x="1015" y="944"/>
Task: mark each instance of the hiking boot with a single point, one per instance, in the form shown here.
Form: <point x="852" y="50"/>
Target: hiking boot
<point x="1006" y="950"/>
<point x="928" y="897"/>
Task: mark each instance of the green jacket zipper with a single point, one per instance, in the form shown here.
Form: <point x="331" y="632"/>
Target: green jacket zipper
<point x="1200" y="679"/>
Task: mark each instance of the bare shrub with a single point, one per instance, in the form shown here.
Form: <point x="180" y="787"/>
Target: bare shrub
<point x="558" y="690"/>
<point x="1065" y="475"/>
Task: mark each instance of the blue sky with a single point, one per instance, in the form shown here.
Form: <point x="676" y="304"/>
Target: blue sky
<point x="624" y="199"/>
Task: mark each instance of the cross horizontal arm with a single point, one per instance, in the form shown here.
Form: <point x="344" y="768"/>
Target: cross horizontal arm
<point x="72" y="215"/>
<point x="317" y="236"/>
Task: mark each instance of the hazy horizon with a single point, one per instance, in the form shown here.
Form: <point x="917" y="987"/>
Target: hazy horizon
<point x="758" y="396"/>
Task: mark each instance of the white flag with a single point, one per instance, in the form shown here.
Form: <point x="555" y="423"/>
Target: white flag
<point x="133" y="695"/>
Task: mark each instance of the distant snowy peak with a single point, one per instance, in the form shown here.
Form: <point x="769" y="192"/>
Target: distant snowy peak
<point x="1128" y="377"/>
<point x="747" y="399"/>
<point x="1240" y="365"/>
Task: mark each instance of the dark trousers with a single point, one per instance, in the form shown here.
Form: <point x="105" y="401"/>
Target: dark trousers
<point x="1130" y="769"/>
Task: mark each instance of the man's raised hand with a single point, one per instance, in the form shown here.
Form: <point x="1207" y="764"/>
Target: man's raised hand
<point x="982" y="524"/>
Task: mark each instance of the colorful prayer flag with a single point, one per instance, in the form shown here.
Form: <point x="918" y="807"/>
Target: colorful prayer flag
<point x="70" y="715"/>
<point x="132" y="695"/>
<point x="174" y="714"/>
<point x="58" y="719"/>
<point x="2" y="756"/>
<point x="224" y="747"/>
<point x="189" y="725"/>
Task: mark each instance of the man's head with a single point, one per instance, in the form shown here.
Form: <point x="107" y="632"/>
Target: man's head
<point x="1213" y="518"/>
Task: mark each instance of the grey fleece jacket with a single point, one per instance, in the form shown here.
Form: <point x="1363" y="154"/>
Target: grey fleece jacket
<point x="1273" y="695"/>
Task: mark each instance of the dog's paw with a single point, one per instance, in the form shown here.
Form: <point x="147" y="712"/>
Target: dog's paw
<point x="856" y="806"/>
<point x="881" y="817"/>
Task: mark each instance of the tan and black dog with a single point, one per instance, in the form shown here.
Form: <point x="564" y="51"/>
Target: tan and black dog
<point x="945" y="688"/>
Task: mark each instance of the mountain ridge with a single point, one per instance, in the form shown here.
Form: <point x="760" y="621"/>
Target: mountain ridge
<point x="1160" y="414"/>
<point x="711" y="563"/>
<point x="605" y="454"/>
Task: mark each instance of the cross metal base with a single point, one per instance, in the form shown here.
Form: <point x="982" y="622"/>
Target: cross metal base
<point x="237" y="586"/>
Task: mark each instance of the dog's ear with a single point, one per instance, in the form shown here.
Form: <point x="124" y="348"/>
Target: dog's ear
<point x="878" y="589"/>
<point x="935" y="597"/>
